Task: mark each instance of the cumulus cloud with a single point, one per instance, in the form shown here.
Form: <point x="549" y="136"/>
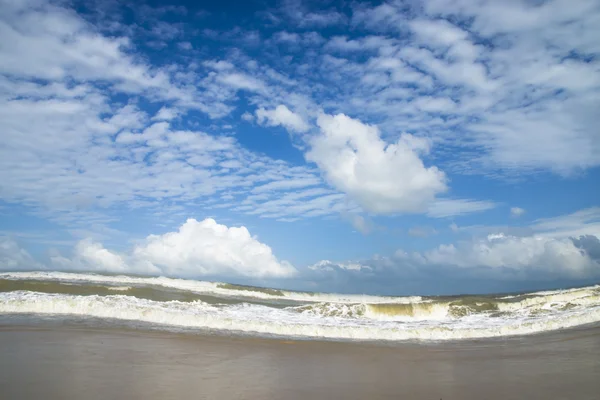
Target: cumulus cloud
<point x="521" y="255"/>
<point x="198" y="248"/>
<point x="559" y="251"/>
<point x="281" y="116"/>
<point x="496" y="263"/>
<point x="92" y="253"/>
<point x="208" y="248"/>
<point x="382" y="178"/>
<point x="590" y="244"/>
<point x="521" y="101"/>
<point x="89" y="255"/>
<point x="61" y="73"/>
<point x="13" y="257"/>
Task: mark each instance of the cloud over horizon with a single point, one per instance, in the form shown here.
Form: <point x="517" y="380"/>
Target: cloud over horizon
<point x="197" y="249"/>
<point x="206" y="249"/>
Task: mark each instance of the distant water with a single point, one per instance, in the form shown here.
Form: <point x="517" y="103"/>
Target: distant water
<point x="166" y="302"/>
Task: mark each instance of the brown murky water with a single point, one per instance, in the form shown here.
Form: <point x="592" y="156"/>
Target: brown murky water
<point x="76" y="363"/>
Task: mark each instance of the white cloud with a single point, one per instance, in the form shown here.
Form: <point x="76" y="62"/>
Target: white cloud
<point x="585" y="222"/>
<point x="76" y="173"/>
<point x="208" y="248"/>
<point x="293" y="204"/>
<point x="382" y="178"/>
<point x="58" y="155"/>
<point x="296" y="12"/>
<point x="220" y="65"/>
<point x="422" y="231"/>
<point x="326" y="265"/>
<point x="522" y="102"/>
<point x="361" y="223"/>
<point x="91" y="254"/>
<point x="343" y="44"/>
<point x="287" y="184"/>
<point x="580" y="223"/>
<point x="285" y="36"/>
<point x="442" y="208"/>
<point x="198" y="248"/>
<point x="242" y="81"/>
<point x="293" y="39"/>
<point x="438" y="31"/>
<point x="517" y="16"/>
<point x="247" y="117"/>
<point x="60" y="73"/>
<point x="561" y="248"/>
<point x="281" y="116"/>
<point x="435" y="104"/>
<point x="185" y="46"/>
<point x="165" y="114"/>
<point x="13" y="257"/>
<point x="495" y="263"/>
<point x="516" y="212"/>
<point x="47" y="41"/>
<point x="523" y="255"/>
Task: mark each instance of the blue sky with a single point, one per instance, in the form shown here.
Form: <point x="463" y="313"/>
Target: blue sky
<point x="385" y="147"/>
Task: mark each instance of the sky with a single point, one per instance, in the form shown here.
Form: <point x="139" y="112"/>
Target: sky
<point x="396" y="147"/>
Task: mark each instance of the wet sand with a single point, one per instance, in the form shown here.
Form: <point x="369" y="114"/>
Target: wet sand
<point x="38" y="362"/>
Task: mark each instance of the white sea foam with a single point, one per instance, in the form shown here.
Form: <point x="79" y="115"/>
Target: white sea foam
<point x="316" y="315"/>
<point x="444" y="310"/>
<point x="204" y="287"/>
<point x="259" y="319"/>
<point x="553" y="292"/>
<point x="119" y="288"/>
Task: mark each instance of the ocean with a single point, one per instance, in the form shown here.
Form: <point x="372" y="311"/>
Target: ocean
<point x="190" y="305"/>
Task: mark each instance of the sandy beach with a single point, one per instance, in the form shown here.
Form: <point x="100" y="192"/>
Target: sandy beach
<point x="52" y="362"/>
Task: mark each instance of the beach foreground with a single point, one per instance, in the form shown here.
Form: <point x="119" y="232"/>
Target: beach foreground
<point x="54" y="362"/>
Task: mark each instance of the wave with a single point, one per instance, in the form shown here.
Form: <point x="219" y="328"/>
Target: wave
<point x="441" y="310"/>
<point x="377" y="311"/>
<point x="204" y="287"/>
<point x="292" y="322"/>
<point x="220" y="306"/>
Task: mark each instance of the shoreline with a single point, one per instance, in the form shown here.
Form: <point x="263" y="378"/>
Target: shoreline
<point x="54" y="362"/>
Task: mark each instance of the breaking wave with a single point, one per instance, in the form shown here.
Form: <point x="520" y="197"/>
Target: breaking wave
<point x="325" y="316"/>
<point x="441" y="310"/>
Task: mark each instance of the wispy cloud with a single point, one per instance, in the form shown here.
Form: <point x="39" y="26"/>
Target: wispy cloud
<point x="452" y="207"/>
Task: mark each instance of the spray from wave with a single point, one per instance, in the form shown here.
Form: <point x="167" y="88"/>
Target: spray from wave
<point x="231" y="308"/>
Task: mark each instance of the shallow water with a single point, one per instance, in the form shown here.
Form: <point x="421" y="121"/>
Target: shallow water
<point x="41" y="359"/>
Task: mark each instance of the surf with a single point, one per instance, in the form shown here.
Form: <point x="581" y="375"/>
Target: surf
<point x="208" y="306"/>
